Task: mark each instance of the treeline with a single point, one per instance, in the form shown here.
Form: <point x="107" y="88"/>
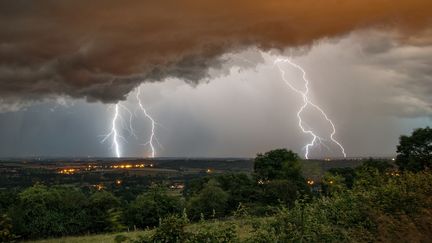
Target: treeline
<point x="41" y="211"/>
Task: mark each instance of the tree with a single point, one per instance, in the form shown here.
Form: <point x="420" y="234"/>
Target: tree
<point x="277" y="164"/>
<point x="381" y="166"/>
<point x="280" y="191"/>
<point x="210" y="201"/>
<point x="240" y="187"/>
<point x="50" y="212"/>
<point x="102" y="207"/>
<point x="415" y="151"/>
<point x="347" y="173"/>
<point x="147" y="209"/>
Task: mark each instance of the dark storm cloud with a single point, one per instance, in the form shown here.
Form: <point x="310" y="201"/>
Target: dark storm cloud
<point x="101" y="50"/>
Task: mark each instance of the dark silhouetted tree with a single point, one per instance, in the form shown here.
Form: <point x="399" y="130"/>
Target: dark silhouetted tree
<point x="415" y="151"/>
<point x="277" y="164"/>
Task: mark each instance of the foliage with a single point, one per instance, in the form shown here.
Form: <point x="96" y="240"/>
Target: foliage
<point x="373" y="210"/>
<point x="276" y="192"/>
<point x="277" y="164"/>
<point x="171" y="229"/>
<point x="7" y="199"/>
<point x="57" y="211"/>
<point x="372" y="202"/>
<point x="209" y="233"/>
<point x="381" y="166"/>
<point x="211" y="201"/>
<point x="121" y="238"/>
<point x="147" y="209"/>
<point x="6" y="234"/>
<point x="104" y="209"/>
<point x="415" y="151"/>
<point x="241" y="188"/>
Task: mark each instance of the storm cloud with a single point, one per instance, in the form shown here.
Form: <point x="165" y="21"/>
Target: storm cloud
<point x="102" y="49"/>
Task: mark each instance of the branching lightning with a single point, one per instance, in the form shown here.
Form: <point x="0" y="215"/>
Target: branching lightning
<point x="118" y="124"/>
<point x="306" y="101"/>
<point x="153" y="125"/>
<point x="114" y="133"/>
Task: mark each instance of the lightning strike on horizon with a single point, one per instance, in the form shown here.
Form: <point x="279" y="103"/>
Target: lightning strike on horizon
<point x="114" y="133"/>
<point x="153" y="124"/>
<point x="307" y="102"/>
<point x="130" y="129"/>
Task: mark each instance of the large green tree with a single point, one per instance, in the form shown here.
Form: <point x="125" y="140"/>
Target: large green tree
<point x="278" y="164"/>
<point x="415" y="151"/>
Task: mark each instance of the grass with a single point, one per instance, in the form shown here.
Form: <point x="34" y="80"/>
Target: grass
<point x="91" y="238"/>
<point x="244" y="229"/>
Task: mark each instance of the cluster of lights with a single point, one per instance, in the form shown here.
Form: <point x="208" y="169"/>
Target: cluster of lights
<point x="310" y="182"/>
<point x="68" y="171"/>
<point x="129" y="166"/>
<point x="99" y="187"/>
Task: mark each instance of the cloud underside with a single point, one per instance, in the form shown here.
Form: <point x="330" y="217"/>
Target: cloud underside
<point x="101" y="50"/>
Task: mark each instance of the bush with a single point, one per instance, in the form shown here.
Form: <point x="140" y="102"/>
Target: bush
<point x="171" y="230"/>
<point x="214" y="233"/>
<point x="379" y="207"/>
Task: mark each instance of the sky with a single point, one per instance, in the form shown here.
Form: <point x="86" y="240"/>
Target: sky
<point x="207" y="74"/>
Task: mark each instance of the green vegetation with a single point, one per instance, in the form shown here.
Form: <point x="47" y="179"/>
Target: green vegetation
<point x="380" y="207"/>
<point x="372" y="202"/>
<point x="148" y="208"/>
<point x="415" y="151"/>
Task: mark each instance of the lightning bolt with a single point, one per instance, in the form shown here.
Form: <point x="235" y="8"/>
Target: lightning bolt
<point x="114" y="133"/>
<point x="116" y="129"/>
<point x="153" y="125"/>
<point x="306" y="101"/>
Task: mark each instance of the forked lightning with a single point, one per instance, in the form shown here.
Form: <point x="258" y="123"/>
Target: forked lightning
<point x="115" y="131"/>
<point x="153" y="124"/>
<point x="306" y="101"/>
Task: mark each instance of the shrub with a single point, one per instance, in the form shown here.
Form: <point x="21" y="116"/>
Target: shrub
<point x="171" y="230"/>
<point x="214" y="233"/>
